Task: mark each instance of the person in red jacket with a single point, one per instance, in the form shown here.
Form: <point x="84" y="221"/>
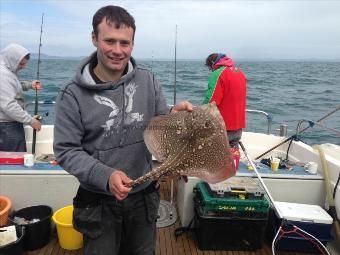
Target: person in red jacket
<point x="227" y="87"/>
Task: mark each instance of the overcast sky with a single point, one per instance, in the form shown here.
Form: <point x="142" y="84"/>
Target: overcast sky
<point x="242" y="29"/>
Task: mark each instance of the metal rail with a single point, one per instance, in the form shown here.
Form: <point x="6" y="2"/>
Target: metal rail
<point x="48" y="102"/>
<point x="299" y="131"/>
<point x="268" y="116"/>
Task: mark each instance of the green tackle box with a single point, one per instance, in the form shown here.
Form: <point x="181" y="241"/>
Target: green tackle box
<point x="234" y="197"/>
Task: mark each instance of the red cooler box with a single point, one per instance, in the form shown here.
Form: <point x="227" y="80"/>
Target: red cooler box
<point x="9" y="157"/>
<point x="311" y="218"/>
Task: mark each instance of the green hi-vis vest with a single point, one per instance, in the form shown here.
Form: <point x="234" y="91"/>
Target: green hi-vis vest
<point x="213" y="78"/>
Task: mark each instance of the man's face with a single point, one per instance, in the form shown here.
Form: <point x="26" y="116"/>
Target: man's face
<point x="22" y="64"/>
<point x="114" y="46"/>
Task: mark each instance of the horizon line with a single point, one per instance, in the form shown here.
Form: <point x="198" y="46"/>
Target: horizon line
<point x="46" y="56"/>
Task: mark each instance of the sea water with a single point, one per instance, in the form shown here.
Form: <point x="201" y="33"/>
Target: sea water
<point x="287" y="90"/>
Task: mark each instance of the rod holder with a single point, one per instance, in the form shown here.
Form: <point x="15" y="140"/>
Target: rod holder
<point x="283" y="130"/>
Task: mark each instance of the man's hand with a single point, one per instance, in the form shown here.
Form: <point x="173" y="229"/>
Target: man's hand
<point x="117" y="182"/>
<point x="35" y="124"/>
<point x="36" y="85"/>
<point x="182" y="106"/>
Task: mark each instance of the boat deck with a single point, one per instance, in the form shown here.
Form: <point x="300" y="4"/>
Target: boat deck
<point x="166" y="241"/>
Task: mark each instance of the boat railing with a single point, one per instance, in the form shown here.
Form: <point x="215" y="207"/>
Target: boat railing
<point x="46" y="110"/>
<point x="267" y="115"/>
<point x="46" y="102"/>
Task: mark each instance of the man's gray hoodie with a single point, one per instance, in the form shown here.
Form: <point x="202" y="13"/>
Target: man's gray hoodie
<point x="11" y="89"/>
<point x="99" y="127"/>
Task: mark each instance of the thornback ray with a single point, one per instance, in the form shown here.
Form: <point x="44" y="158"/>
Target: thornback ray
<point x="190" y="144"/>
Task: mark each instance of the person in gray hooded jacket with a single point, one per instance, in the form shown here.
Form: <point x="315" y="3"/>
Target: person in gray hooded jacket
<point x="98" y="137"/>
<point x="12" y="114"/>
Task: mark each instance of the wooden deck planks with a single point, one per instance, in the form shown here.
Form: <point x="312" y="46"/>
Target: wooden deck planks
<point x="166" y="243"/>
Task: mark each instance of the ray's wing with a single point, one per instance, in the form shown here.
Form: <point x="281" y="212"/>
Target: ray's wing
<point x="210" y="160"/>
<point x="164" y="135"/>
<point x="153" y="140"/>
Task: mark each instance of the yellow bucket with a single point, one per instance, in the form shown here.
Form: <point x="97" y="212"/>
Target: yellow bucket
<point x="69" y="238"/>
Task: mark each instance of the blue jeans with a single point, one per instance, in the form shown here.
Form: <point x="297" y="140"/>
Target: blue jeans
<point x="12" y="136"/>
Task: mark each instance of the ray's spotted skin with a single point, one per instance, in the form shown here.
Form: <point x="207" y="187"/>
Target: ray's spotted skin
<point x="189" y="143"/>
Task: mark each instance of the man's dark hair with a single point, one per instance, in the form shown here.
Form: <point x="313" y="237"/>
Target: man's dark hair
<point x="27" y="56"/>
<point x="114" y="15"/>
<point x="210" y="61"/>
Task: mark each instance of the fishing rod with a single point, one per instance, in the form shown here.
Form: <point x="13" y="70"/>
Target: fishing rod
<point x="285" y="223"/>
<point x="291" y="137"/>
<point x="260" y="179"/>
<point x="312" y="123"/>
<point x="175" y="78"/>
<point x="36" y="90"/>
<point x="151" y="60"/>
<point x="175" y="88"/>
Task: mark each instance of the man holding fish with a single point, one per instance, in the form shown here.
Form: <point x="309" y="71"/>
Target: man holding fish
<point x="100" y="118"/>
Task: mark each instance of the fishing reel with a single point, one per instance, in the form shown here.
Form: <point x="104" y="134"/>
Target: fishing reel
<point x="41" y="117"/>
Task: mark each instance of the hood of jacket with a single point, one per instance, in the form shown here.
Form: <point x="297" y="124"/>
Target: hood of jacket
<point x="84" y="79"/>
<point x="224" y="61"/>
<point x="12" y="55"/>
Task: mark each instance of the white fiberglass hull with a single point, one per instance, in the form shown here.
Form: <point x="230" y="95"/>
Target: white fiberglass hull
<point x="56" y="188"/>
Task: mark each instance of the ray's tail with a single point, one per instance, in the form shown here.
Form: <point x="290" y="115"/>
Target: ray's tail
<point x="155" y="174"/>
<point x="159" y="171"/>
